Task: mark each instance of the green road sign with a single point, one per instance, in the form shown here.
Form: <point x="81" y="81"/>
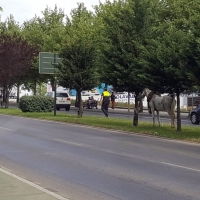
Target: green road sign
<point x="48" y="62"/>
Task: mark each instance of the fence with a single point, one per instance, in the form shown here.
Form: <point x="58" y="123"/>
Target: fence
<point x="191" y="101"/>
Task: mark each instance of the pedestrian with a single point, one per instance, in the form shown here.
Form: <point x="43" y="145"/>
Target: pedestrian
<point x="105" y="101"/>
<point x="113" y="100"/>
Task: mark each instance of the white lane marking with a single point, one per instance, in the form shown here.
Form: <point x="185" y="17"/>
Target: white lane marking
<point x="179" y="166"/>
<point x="6" y="128"/>
<point x="73" y="143"/>
<point x="133" y="134"/>
<point x="33" y="185"/>
<point x="127" y="155"/>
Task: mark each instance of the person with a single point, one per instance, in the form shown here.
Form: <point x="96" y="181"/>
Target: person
<point x="92" y="99"/>
<point x="105" y="101"/>
<point x="88" y="102"/>
<point x="113" y="100"/>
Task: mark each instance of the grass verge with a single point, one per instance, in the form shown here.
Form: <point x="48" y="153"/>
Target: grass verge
<point x="188" y="133"/>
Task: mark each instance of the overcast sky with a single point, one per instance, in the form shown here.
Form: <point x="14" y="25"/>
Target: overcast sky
<point x="23" y="10"/>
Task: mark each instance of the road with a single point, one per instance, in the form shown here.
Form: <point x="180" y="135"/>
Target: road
<point x="123" y="113"/>
<point x="84" y="163"/>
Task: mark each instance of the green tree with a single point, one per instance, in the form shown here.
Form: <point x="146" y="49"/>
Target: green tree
<point x="165" y="56"/>
<point x="15" y="58"/>
<point x="47" y="32"/>
<point x="8" y="28"/>
<point x="125" y="31"/>
<point x="193" y="55"/>
<point x="79" y="53"/>
<point x="33" y="33"/>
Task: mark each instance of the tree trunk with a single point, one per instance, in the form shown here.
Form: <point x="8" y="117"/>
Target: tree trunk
<point x="35" y="88"/>
<point x="128" y="101"/>
<point x="6" y="97"/>
<point x="141" y="105"/>
<point x="135" y="113"/>
<point x="39" y="89"/>
<point x="76" y="101"/>
<point x="53" y="84"/>
<point x="80" y="104"/>
<point x="1" y="97"/>
<point x="18" y="88"/>
<point x="178" y="113"/>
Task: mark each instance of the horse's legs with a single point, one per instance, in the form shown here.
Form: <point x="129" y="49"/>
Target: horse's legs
<point x="158" y="117"/>
<point x="172" y="120"/>
<point x="172" y="116"/>
<point x="153" y="115"/>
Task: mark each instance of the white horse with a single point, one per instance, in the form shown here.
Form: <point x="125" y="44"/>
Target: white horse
<point x="160" y="103"/>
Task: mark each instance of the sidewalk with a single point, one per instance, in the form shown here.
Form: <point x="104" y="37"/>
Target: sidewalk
<point x="15" y="188"/>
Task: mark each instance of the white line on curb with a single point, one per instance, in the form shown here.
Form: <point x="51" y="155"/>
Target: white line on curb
<point x="33" y="185"/>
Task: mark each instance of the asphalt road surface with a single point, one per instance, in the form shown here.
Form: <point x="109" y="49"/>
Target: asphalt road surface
<point x="123" y="113"/>
<point x="84" y="163"/>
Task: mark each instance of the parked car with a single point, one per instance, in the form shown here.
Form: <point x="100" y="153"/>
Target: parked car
<point x="62" y="99"/>
<point x="195" y="115"/>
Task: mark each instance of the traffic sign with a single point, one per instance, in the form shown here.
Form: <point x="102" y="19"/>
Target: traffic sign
<point x="48" y="62"/>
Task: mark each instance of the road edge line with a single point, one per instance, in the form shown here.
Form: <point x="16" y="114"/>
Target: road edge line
<point x="33" y="184"/>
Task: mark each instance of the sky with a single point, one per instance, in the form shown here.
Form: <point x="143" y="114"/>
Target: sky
<point x="23" y="10"/>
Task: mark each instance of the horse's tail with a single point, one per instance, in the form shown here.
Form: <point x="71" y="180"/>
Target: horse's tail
<point x="173" y="103"/>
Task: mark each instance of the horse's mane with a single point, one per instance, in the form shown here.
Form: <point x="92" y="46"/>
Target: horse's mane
<point x="171" y="95"/>
<point x="149" y="97"/>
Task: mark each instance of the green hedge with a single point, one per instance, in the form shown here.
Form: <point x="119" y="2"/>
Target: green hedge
<point x="36" y="104"/>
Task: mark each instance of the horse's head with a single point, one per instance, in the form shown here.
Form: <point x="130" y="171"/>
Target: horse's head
<point x="145" y="93"/>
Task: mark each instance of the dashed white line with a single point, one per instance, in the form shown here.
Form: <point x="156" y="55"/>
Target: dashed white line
<point x="72" y="143"/>
<point x="8" y="129"/>
<point x="179" y="166"/>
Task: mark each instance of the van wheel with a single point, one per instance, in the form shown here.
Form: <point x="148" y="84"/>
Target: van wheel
<point x="57" y="108"/>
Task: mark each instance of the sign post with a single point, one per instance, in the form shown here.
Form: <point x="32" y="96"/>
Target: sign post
<point x="47" y="65"/>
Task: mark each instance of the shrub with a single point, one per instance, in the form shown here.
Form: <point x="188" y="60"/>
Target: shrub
<point x="36" y="104"/>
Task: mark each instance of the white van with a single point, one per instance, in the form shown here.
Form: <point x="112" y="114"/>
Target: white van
<point x="63" y="99"/>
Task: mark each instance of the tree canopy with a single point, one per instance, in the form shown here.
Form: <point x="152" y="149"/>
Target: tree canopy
<point x="47" y="32"/>
<point x="16" y="55"/>
<point x="165" y="58"/>
<point x="129" y="44"/>
<point x="125" y="29"/>
<point x="79" y="52"/>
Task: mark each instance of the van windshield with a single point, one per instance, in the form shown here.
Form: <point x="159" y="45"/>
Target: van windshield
<point x="61" y="94"/>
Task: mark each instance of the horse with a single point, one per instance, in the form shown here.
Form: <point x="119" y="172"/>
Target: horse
<point x="160" y="103"/>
